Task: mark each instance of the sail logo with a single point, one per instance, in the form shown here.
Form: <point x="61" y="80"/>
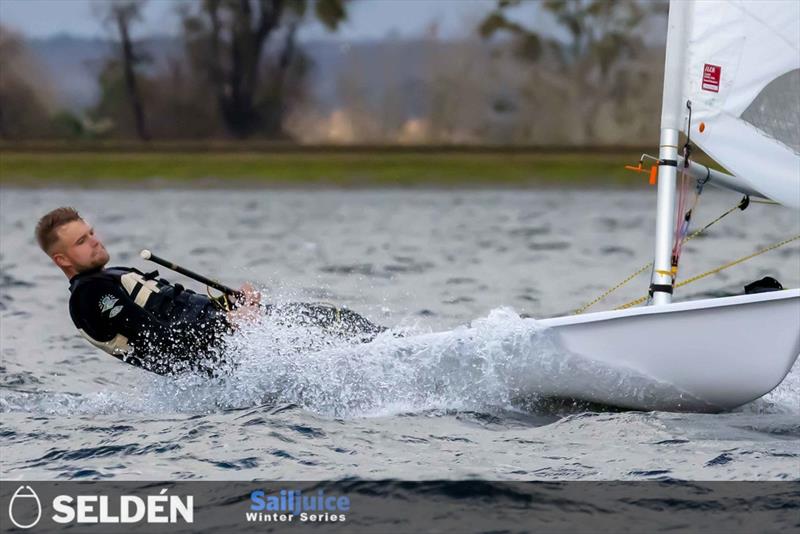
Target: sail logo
<point x="22" y="503"/>
<point x="711" y="77"/>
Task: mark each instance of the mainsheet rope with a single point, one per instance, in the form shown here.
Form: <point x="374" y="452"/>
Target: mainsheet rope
<point x="715" y="271"/>
<point x="741" y="205"/>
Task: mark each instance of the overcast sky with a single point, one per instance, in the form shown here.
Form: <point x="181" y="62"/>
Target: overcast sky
<point x="368" y="19"/>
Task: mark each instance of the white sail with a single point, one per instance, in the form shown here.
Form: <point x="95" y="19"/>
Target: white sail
<point x="741" y="71"/>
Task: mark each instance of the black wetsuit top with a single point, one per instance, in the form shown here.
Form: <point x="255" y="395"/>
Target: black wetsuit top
<point x="177" y="330"/>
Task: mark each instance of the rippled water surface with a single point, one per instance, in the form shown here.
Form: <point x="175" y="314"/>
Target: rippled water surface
<point x="417" y="261"/>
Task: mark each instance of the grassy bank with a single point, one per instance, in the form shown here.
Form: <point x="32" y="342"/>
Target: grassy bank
<point x="338" y="168"/>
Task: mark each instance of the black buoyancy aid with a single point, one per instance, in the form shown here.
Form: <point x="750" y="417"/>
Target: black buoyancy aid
<point x="170" y="303"/>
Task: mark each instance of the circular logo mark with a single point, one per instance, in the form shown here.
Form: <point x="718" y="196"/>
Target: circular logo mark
<point x="23" y="501"/>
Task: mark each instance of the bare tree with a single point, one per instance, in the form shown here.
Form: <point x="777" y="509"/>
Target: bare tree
<point x="226" y="40"/>
<point x="26" y="98"/>
<point x="599" y="61"/>
<point x="121" y="15"/>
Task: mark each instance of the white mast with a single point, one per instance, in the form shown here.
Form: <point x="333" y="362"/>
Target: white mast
<point x="672" y="108"/>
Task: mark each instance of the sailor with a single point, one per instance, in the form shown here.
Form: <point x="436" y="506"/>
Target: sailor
<point x="149" y="322"/>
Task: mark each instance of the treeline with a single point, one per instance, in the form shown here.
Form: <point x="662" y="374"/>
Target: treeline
<point x="242" y="74"/>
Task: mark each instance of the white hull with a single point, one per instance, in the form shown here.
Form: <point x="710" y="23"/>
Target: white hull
<point x="704" y="355"/>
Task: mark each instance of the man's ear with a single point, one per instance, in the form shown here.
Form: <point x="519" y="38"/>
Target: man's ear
<point x="61" y="260"/>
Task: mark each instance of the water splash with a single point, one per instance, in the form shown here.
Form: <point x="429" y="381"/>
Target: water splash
<point x="784" y="399"/>
<point x="466" y="368"/>
<point x="500" y="362"/>
<point x="402" y="370"/>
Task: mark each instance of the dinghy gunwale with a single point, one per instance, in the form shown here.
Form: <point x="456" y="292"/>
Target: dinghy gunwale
<point x="700" y="304"/>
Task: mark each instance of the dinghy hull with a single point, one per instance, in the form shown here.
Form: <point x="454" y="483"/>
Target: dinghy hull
<point x="711" y="355"/>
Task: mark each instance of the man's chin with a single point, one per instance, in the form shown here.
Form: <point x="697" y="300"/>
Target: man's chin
<point x="99" y="263"/>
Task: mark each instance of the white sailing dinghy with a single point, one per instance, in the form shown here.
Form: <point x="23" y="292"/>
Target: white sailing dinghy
<point x="737" y="65"/>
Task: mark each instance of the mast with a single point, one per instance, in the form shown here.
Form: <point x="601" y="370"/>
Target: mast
<point x="672" y="108"/>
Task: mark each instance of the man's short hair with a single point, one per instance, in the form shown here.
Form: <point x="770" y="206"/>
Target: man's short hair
<point x="46" y="234"/>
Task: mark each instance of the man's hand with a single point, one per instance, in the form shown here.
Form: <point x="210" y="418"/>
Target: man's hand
<point x="249" y="296"/>
<point x="247" y="308"/>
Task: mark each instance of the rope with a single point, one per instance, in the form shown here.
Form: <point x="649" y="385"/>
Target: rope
<point x="633" y="303"/>
<point x="607" y="293"/>
<point x="683" y="217"/>
<point x="741" y="205"/>
<point x="714" y="271"/>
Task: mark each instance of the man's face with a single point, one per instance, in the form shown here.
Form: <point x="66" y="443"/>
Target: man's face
<point x="78" y="248"/>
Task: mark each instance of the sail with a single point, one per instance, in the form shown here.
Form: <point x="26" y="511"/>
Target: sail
<point x="740" y="69"/>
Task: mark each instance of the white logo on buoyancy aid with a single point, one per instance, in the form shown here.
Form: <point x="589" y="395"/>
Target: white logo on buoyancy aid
<point x="107" y="303"/>
<point x="132" y="280"/>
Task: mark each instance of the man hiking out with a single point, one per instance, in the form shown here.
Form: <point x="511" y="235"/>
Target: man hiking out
<point x="149" y="322"/>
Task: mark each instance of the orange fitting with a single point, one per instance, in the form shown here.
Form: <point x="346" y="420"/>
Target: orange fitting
<point x="636" y="169"/>
<point x="639" y="168"/>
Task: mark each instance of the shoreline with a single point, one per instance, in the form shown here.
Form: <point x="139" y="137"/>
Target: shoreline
<point x="314" y="168"/>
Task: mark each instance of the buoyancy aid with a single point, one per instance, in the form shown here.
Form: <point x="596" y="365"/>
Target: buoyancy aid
<point x="170" y="303"/>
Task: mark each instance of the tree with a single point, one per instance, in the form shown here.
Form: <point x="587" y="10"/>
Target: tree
<point x="597" y="62"/>
<point x="226" y="42"/>
<point x="26" y="102"/>
<point x="121" y="15"/>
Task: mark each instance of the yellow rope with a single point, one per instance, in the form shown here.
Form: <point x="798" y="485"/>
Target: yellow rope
<point x="682" y="283"/>
<point x="607" y="293"/>
<point x="633" y="303"/>
<point x="643" y="268"/>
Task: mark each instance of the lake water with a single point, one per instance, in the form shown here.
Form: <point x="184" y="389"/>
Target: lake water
<point x="418" y="261"/>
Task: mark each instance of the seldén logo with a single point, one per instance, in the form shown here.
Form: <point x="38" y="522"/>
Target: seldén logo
<point x="91" y="509"/>
<point x="22" y="503"/>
